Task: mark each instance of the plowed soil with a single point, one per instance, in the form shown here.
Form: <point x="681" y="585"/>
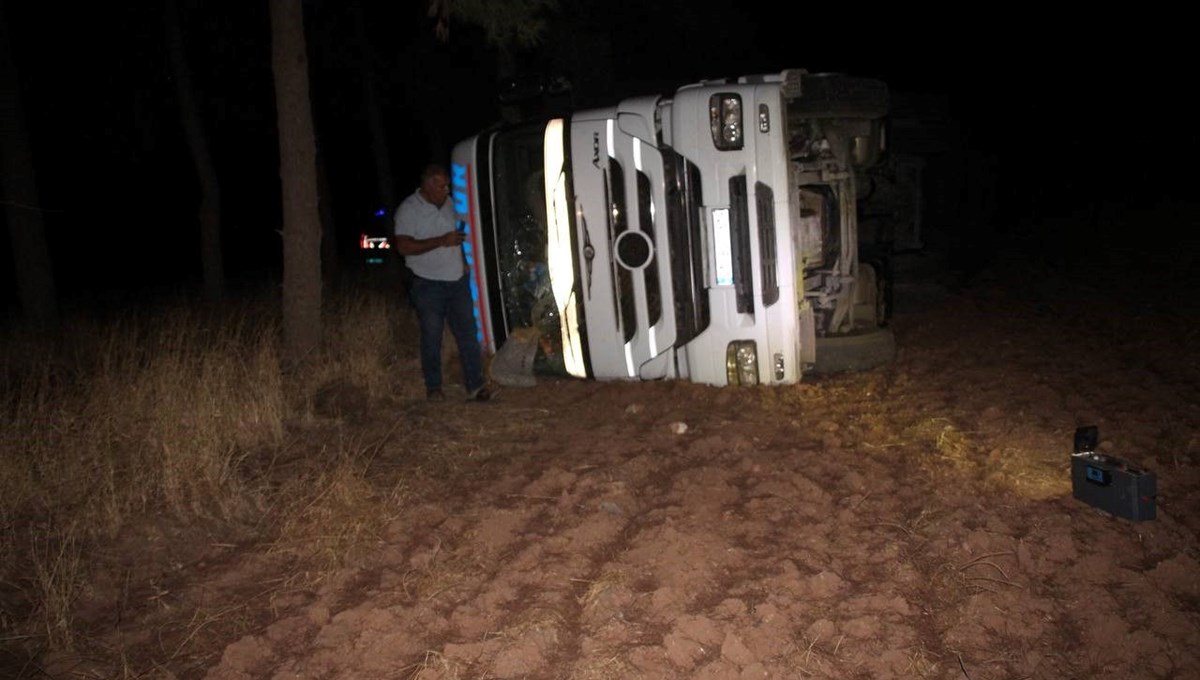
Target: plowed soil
<point x="912" y="521"/>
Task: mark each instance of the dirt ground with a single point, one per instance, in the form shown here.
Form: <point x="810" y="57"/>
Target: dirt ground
<point x="914" y="521"/>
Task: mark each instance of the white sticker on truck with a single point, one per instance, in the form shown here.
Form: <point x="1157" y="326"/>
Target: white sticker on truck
<point x="724" y="250"/>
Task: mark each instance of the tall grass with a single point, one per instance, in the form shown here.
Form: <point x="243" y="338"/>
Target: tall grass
<point x="149" y="414"/>
<point x="360" y="338"/>
<point x="155" y="413"/>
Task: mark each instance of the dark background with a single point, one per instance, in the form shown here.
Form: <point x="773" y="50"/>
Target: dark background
<point x="1039" y="118"/>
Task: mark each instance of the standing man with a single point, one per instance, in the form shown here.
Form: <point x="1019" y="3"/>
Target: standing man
<point x="441" y="289"/>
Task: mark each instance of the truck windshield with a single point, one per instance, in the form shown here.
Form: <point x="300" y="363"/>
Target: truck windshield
<point x="519" y="199"/>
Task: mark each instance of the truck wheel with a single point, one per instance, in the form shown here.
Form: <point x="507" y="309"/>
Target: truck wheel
<point x="858" y="352"/>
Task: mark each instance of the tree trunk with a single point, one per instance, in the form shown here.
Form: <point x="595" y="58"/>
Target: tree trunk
<point x="19" y="194"/>
<point x="212" y="266"/>
<point x="298" y="175"/>
<point x="329" y="244"/>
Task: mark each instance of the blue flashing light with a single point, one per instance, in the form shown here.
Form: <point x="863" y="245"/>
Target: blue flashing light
<point x="381" y="212"/>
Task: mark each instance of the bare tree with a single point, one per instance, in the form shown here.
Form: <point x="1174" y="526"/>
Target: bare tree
<point x="211" y="262"/>
<point x="298" y="175"/>
<point x="19" y="194"/>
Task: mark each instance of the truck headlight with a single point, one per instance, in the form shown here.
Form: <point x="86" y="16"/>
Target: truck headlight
<point x="741" y="363"/>
<point x="725" y="118"/>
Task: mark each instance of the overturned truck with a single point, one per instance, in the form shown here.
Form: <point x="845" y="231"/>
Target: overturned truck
<point x="710" y="235"/>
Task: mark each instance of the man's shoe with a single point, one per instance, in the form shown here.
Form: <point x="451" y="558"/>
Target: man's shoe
<point x="481" y="394"/>
<point x="435" y="395"/>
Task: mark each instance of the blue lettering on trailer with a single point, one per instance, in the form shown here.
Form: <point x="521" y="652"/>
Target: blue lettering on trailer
<point x="459" y="180"/>
<point x="462" y="205"/>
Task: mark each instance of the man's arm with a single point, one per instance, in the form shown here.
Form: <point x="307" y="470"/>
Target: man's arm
<point x="408" y="245"/>
<point x="405" y="222"/>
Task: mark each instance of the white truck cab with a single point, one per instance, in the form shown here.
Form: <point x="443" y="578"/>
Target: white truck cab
<point x="709" y="235"/>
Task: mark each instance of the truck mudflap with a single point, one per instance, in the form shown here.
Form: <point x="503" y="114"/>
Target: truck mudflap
<point x="513" y="363"/>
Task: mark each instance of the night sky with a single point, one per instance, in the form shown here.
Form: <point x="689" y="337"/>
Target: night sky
<point x="1084" y="108"/>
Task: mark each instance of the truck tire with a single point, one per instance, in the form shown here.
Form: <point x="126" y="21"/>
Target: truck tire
<point x="852" y="353"/>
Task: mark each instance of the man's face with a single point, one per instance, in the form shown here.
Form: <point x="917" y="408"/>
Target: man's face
<point x="436" y="189"/>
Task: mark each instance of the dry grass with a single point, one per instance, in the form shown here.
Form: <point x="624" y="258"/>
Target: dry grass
<point x="329" y="519"/>
<point x="948" y="442"/>
<point x="58" y="576"/>
<point x="1020" y="464"/>
<point x="602" y="584"/>
<point x="436" y="666"/>
<point x="448" y="569"/>
<point x="603" y="667"/>
<point x="167" y="414"/>
<point x="155" y="414"/>
<point x="1032" y="474"/>
<point x="359" y="341"/>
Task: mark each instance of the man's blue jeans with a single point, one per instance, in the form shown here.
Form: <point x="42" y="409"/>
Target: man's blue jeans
<point x="439" y="303"/>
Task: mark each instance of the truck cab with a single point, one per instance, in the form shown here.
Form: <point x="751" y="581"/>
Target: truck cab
<point x="709" y="235"/>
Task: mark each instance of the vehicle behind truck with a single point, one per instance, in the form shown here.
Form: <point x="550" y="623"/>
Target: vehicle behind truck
<point x="710" y="235"/>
